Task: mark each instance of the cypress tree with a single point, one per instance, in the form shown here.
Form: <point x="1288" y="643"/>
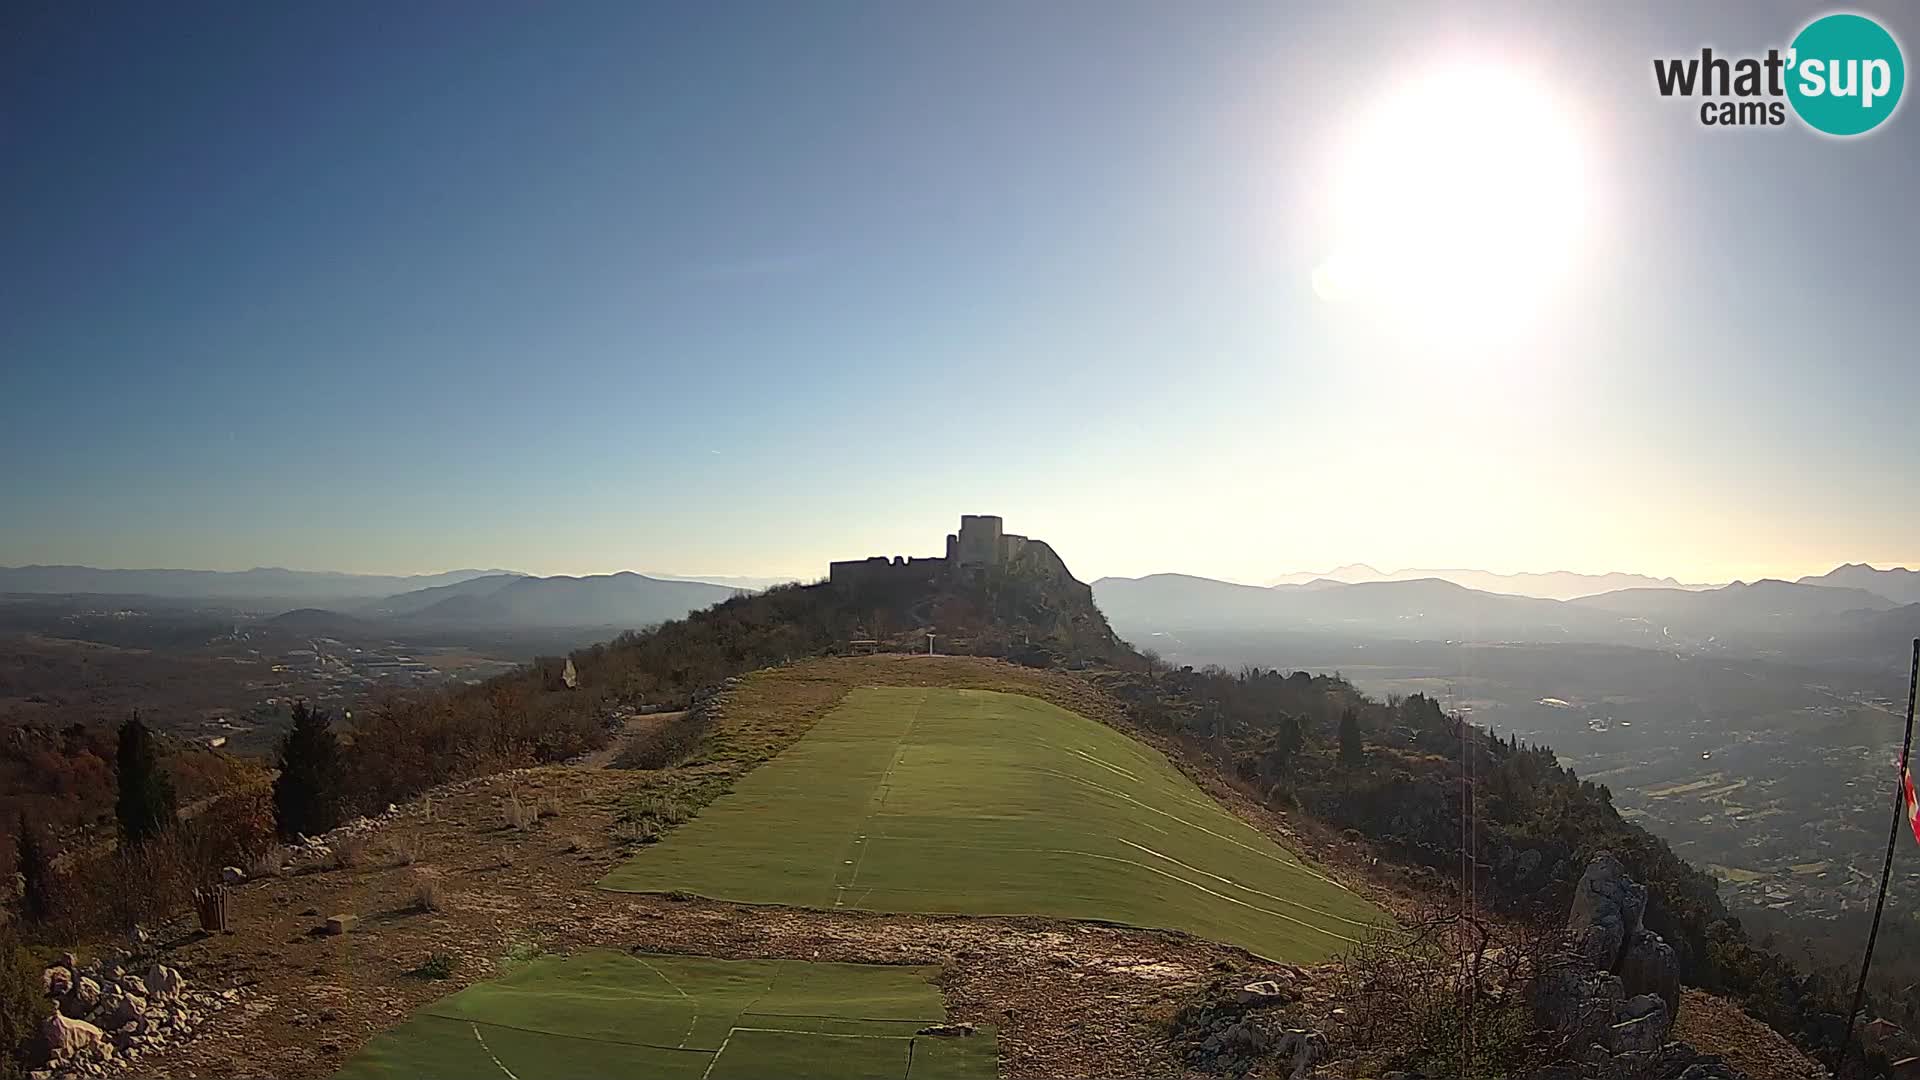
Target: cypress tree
<point x="1352" y="752"/>
<point x="146" y="802"/>
<point x="307" y="793"/>
<point x="36" y="872"/>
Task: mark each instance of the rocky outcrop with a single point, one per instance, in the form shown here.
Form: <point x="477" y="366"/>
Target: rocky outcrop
<point x="1233" y="1029"/>
<point x="1613" y="993"/>
<point x="106" y="1016"/>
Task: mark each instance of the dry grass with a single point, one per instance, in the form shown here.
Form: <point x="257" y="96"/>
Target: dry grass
<point x="428" y="893"/>
<point x="519" y="816"/>
<point x="268" y="863"/>
<point x="406" y="850"/>
<point x="349" y="852"/>
<point x="549" y="806"/>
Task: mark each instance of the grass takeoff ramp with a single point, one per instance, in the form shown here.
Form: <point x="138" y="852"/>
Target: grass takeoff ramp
<point x="608" y="1014"/>
<point x="981" y="803"/>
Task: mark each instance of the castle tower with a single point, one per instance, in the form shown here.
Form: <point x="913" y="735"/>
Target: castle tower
<point x="979" y="542"/>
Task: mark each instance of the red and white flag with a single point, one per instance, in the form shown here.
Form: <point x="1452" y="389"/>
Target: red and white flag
<point x="1913" y="803"/>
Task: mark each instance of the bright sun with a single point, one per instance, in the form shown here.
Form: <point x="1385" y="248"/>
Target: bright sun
<point x="1460" y="204"/>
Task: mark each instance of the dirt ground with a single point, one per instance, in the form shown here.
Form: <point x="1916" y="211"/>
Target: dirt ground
<point x="1069" y="999"/>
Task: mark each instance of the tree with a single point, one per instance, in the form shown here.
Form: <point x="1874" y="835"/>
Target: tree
<point x="146" y="802"/>
<point x="36" y="872"/>
<point x="308" y="791"/>
<point x="1352" y="751"/>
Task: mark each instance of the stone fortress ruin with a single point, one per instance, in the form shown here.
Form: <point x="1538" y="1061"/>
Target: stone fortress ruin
<point x="981" y="545"/>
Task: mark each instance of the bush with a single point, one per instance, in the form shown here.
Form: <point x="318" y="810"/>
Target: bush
<point x="437" y="965"/>
<point x="667" y="744"/>
<point x="349" y="852"/>
<point x="406" y="850"/>
<point x="428" y="895"/>
<point x="267" y="864"/>
<point x="23" y="1007"/>
<point x="519" y="816"/>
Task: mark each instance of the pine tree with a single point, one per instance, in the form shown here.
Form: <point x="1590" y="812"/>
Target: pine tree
<point x="1352" y="751"/>
<point x="307" y="793"/>
<point x="146" y="803"/>
<point x="36" y="872"/>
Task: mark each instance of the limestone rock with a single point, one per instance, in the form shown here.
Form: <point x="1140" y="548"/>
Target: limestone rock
<point x="1643" y="1026"/>
<point x="1264" y="992"/>
<point x="56" y="981"/>
<point x="1648" y="966"/>
<point x="164" y="982"/>
<point x="82" y="999"/>
<point x="66" y="1036"/>
<point x="1606" y="912"/>
<point x="340" y="924"/>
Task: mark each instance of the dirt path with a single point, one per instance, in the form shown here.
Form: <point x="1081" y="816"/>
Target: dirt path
<point x="634" y="725"/>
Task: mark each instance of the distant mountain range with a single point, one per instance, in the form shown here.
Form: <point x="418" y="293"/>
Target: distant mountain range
<point x="489" y="599"/>
<point x="1899" y="584"/>
<point x="1554" y="585"/>
<point x="1435" y="610"/>
<point x="260" y="582"/>
<point x="626" y="599"/>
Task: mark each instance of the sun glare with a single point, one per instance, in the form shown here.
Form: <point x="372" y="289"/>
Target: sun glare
<point x="1460" y="204"/>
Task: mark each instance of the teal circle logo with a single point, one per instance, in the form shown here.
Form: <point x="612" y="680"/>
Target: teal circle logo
<point x="1845" y="74"/>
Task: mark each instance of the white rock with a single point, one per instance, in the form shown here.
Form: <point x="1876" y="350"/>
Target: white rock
<point x="66" y="1036"/>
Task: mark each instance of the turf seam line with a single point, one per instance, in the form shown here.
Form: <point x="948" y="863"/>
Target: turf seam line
<point x="886" y="785"/>
<point x="922" y="1020"/>
<point x="1248" y="888"/>
<point x="562" y="1034"/>
<point x="817" y="1034"/>
<point x="1292" y="864"/>
<point x="489" y="1051"/>
<point x="691" y="1024"/>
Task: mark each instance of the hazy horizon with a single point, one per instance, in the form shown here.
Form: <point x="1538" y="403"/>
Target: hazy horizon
<point x="732" y="575"/>
<point x="379" y="290"/>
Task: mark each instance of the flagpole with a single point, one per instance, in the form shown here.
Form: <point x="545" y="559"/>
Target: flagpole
<point x="1886" y="871"/>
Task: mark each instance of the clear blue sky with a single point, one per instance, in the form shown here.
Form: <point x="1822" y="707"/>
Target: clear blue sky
<point x="739" y="288"/>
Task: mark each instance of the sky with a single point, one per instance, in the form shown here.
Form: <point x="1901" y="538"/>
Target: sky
<point x="741" y="288"/>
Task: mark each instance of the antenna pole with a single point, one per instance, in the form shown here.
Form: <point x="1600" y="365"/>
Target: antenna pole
<point x="1886" y="871"/>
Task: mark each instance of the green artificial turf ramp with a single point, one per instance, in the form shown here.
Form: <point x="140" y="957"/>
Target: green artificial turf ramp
<point x="981" y="803"/>
<point x="602" y="1013"/>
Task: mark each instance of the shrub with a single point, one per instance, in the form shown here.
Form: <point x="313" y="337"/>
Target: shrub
<point x="519" y="816"/>
<point x="437" y="965"/>
<point x="428" y="895"/>
<point x="267" y="864"/>
<point x="668" y="743"/>
<point x="23" y="1007"/>
<point x="349" y="852"/>
<point x="406" y="850"/>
